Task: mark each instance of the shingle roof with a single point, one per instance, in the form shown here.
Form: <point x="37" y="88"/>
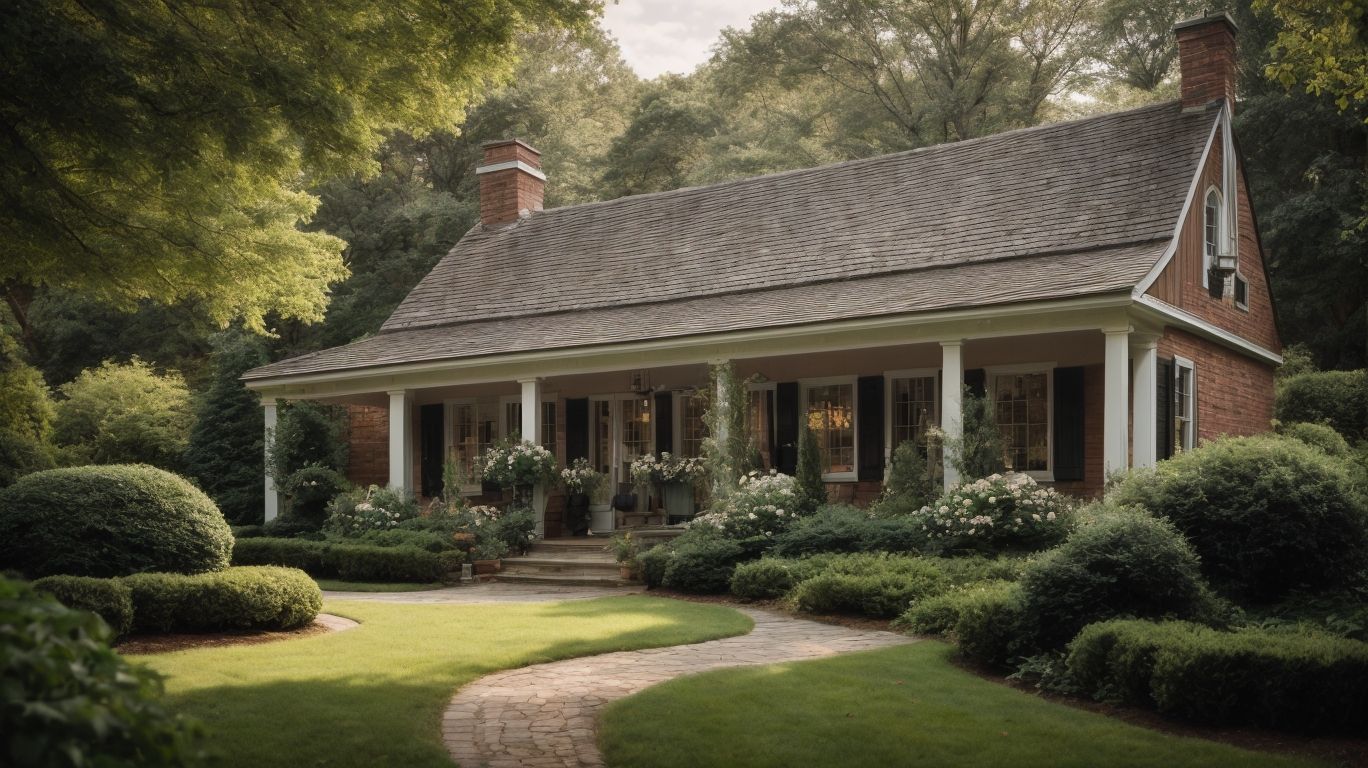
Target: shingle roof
<point x="1070" y="209"/>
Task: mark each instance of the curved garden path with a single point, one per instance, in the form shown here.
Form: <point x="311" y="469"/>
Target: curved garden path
<point x="544" y="715"/>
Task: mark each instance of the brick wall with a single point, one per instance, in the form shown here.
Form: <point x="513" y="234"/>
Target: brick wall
<point x="368" y="435"/>
<point x="1206" y="60"/>
<point x="1234" y="392"/>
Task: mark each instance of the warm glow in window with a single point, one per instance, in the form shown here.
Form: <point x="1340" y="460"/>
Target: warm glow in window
<point x="759" y="411"/>
<point x="691" y="426"/>
<point x="831" y="419"/>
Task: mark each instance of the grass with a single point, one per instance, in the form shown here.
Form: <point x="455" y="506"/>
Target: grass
<point x="900" y="706"/>
<point x="335" y="585"/>
<point x="374" y="695"/>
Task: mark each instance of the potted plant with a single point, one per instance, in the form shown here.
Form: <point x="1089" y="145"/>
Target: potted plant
<point x="678" y="477"/>
<point x="581" y="481"/>
<point x="624" y="550"/>
<point x="488" y="556"/>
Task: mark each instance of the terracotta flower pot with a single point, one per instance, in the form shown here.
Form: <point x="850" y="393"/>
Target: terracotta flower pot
<point x="625" y="572"/>
<point x="487" y="567"/>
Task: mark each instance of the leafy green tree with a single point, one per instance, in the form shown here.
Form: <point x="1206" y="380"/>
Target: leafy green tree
<point x="910" y="485"/>
<point x="1135" y="39"/>
<point x="160" y="152"/>
<point x="226" y="450"/>
<point x="1323" y="47"/>
<point x="667" y="137"/>
<point x="979" y="453"/>
<point x="26" y="415"/>
<point x="124" y="414"/>
<point x="809" y="490"/>
<point x="307" y="434"/>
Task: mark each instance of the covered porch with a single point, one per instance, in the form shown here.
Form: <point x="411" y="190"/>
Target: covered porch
<point x="1074" y="391"/>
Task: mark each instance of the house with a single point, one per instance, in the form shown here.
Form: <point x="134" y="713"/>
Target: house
<point x="1100" y="280"/>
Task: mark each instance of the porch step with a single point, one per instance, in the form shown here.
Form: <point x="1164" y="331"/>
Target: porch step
<point x="533" y="564"/>
<point x="581" y="545"/>
<point x="564" y="581"/>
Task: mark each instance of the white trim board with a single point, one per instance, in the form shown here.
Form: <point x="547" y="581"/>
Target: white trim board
<point x="510" y="165"/>
<point x="1148" y="281"/>
<point x="1190" y="322"/>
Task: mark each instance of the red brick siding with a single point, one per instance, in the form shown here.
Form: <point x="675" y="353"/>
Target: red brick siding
<point x="368" y="436"/>
<point x="1234" y="391"/>
<point x="1206" y="56"/>
<point x="503" y="194"/>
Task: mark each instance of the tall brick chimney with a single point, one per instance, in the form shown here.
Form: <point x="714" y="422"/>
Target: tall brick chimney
<point x="1206" y="57"/>
<point x="511" y="181"/>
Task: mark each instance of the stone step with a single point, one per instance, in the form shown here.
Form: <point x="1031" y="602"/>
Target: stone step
<point x="535" y="566"/>
<point x="567" y="581"/>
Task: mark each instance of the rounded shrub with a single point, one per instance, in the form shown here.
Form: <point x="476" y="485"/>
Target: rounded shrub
<point x="868" y="585"/>
<point x="1320" y="436"/>
<point x="249" y="597"/>
<point x="106" y="598"/>
<point x="702" y="565"/>
<point x="110" y="521"/>
<point x="842" y="528"/>
<point x="1266" y="514"/>
<point x="652" y="563"/>
<point x="994" y="626"/>
<point x="1337" y="398"/>
<point x="1122" y="563"/>
<point x="68" y="699"/>
<point x="938" y="614"/>
<point x="765" y="579"/>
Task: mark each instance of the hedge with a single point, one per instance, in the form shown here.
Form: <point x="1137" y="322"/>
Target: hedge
<point x="109" y="599"/>
<point x="247" y="597"/>
<point x="1337" y="398"/>
<point x="702" y="565"/>
<point x="993" y="626"/>
<point x="1299" y="681"/>
<point x="110" y="521"/>
<point x="873" y="585"/>
<point x="939" y="614"/>
<point x="351" y="562"/>
<point x="838" y="528"/>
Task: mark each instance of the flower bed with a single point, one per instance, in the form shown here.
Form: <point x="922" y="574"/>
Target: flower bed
<point x="996" y="513"/>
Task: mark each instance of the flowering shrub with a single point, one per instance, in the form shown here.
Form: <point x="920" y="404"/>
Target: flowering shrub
<point x="581" y="477"/>
<point x="763" y="505"/>
<point x="646" y="469"/>
<point x="519" y="464"/>
<point x="513" y="527"/>
<point x="377" y="509"/>
<point x="998" y="512"/>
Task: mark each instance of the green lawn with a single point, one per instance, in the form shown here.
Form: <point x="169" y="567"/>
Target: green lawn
<point x="374" y="695"/>
<point x="334" y="585"/>
<point x="904" y="706"/>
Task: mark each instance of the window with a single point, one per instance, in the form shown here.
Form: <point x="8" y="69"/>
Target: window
<point x="912" y="408"/>
<point x="1241" y="292"/>
<point x="601" y="416"/>
<point x="1211" y="232"/>
<point x="1022" y="402"/>
<point x="760" y="413"/>
<point x="474" y="427"/>
<point x="1184" y="381"/>
<point x="636" y="432"/>
<point x="831" y="419"/>
<point x="513" y="422"/>
<point x="691" y="427"/>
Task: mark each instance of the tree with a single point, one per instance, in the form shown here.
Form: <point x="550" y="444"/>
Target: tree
<point x="26" y="415"/>
<point x="124" y="414"/>
<point x="226" y="450"/>
<point x="161" y="151"/>
<point x="667" y="137"/>
<point x="1322" y="47"/>
<point x="808" y="488"/>
<point x="979" y="452"/>
<point x="1136" y="42"/>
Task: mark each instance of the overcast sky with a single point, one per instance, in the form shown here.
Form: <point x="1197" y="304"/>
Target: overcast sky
<point x="659" y="36"/>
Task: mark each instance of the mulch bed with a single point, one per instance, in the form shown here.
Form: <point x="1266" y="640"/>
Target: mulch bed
<point x="179" y="642"/>
<point x="1342" y="751"/>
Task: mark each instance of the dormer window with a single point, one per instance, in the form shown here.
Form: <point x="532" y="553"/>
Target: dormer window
<point x="1211" y="233"/>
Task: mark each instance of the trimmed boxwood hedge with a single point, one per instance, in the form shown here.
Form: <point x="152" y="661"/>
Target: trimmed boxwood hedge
<point x="110" y="521"/>
<point x="249" y="597"/>
<point x="109" y="599"/>
<point x="351" y="562"/>
<point x="1292" y="680"/>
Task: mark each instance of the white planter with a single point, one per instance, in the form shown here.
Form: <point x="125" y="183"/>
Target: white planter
<point x="678" y="499"/>
<point x="600" y="518"/>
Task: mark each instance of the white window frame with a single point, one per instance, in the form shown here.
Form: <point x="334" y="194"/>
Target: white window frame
<point x="1220" y="230"/>
<point x="1186" y="442"/>
<point x="764" y="386"/>
<point x="677" y="418"/>
<point x="506" y="430"/>
<point x="908" y="373"/>
<point x="615" y="401"/>
<point x="804" y="385"/>
<point x="1048" y="369"/>
<point x="449" y="426"/>
<point x="1241" y="305"/>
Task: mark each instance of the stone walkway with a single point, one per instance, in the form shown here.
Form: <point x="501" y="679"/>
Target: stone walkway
<point x="545" y="715"/>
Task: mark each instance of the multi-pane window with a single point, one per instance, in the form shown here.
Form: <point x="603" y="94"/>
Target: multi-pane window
<point x="1211" y="232"/>
<point x="913" y="407"/>
<point x="474" y="427"/>
<point x="1184" y="403"/>
<point x="636" y="431"/>
<point x="691" y="427"/>
<point x="1022" y="401"/>
<point x="513" y="422"/>
<point x="760" y="414"/>
<point x="831" y="420"/>
<point x="601" y="415"/>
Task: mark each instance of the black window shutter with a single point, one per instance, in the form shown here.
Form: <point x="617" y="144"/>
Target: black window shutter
<point x="664" y="423"/>
<point x="576" y="429"/>
<point x="786" y="415"/>
<point x="431" y="436"/>
<point x="976" y="379"/>
<point x="1164" y="392"/>
<point x="1068" y="424"/>
<point x="869" y="427"/>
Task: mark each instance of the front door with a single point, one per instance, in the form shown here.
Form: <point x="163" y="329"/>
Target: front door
<point x="620" y="430"/>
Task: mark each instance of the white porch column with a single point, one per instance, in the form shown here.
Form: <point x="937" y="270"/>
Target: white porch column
<point x="952" y="408"/>
<point x="1144" y="392"/>
<point x="720" y="394"/>
<point x="268" y="407"/>
<point x="400" y="440"/>
<point x="1116" y="394"/>
<point x="531" y="432"/>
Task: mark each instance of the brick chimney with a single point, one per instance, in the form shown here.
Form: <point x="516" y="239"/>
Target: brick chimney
<point x="511" y="181"/>
<point x="1206" y="57"/>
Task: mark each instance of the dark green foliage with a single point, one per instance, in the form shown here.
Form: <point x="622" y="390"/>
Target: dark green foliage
<point x="808" y="489"/>
<point x="1320" y="436"/>
<point x="21" y="454"/>
<point x="1123" y="563"/>
<point x="310" y="490"/>
<point x="69" y="701"/>
<point x="110" y="521"/>
<point x="307" y="433"/>
<point x="1299" y="681"/>
<point x="250" y="597"/>
<point x="979" y="453"/>
<point x="909" y="486"/>
<point x="842" y="528"/>
<point x="1336" y="398"/>
<point x="994" y="626"/>
<point x="938" y="614"/>
<point x="869" y="585"/>
<point x="226" y="452"/>
<point x="246" y="531"/>
<point x="106" y="598"/>
<point x="289" y="526"/>
<point x="431" y="541"/>
<point x="652" y="563"/>
<point x="702" y="565"/>
<point x="1266" y="514"/>
<point x="350" y="562"/>
<point x="764" y="579"/>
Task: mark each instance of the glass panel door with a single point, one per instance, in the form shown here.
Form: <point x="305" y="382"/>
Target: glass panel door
<point x="635" y="434"/>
